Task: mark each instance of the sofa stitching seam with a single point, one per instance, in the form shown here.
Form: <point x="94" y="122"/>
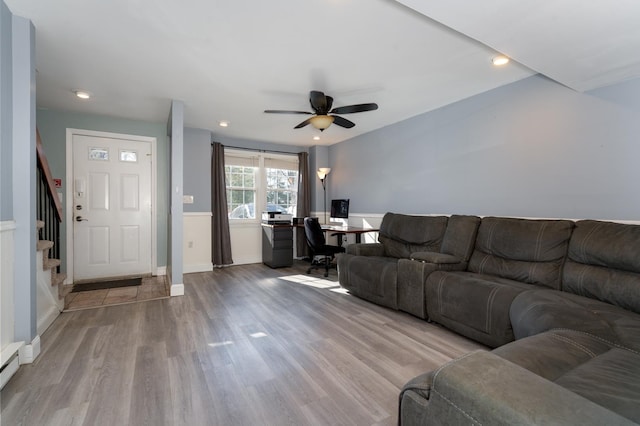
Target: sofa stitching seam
<point x="574" y="344"/>
<point x="490" y="300"/>
<point x="448" y="401"/>
<point x="614" y="344"/>
<point x="435" y="377"/>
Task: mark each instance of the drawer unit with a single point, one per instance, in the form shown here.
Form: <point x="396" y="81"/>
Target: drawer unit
<point x="277" y="245"/>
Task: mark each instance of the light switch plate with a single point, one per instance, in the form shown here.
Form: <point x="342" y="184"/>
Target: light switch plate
<point x="187" y="199"/>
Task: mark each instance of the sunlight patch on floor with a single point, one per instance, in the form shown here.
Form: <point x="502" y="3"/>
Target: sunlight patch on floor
<point x="310" y="280"/>
<point x="216" y="344"/>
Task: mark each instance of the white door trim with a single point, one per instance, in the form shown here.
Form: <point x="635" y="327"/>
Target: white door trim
<point x="69" y="191"/>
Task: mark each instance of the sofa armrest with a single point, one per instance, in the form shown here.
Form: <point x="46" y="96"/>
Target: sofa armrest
<point x="482" y="388"/>
<point x="413" y="274"/>
<point x="366" y="249"/>
<point x="435" y="257"/>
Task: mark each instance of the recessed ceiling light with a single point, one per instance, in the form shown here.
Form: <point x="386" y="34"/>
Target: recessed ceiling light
<point x="500" y="60"/>
<point x="82" y="94"/>
<point x="316" y="138"/>
<point x="223" y="123"/>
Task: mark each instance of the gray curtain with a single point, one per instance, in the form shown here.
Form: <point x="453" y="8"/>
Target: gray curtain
<point x="304" y="203"/>
<point x="220" y="236"/>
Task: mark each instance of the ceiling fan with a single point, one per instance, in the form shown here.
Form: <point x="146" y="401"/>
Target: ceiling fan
<point x="324" y="115"/>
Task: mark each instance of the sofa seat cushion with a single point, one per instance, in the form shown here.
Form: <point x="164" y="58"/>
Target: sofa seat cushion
<point x="373" y="278"/>
<point x="537" y="311"/>
<point x="596" y="369"/>
<point x="474" y="305"/>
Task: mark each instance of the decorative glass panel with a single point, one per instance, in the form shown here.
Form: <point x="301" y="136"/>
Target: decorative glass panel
<point x="99" y="154"/>
<point x="129" y="156"/>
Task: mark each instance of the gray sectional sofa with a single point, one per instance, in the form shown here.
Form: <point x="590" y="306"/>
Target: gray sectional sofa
<point x="559" y="301"/>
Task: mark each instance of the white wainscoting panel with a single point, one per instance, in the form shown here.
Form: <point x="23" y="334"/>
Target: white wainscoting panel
<point x="197" y="242"/>
<point x="9" y="348"/>
<point x="7" y="317"/>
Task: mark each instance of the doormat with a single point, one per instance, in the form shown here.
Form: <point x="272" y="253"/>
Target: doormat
<point x="101" y="285"/>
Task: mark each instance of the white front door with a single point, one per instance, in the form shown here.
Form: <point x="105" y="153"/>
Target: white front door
<point x="111" y="207"/>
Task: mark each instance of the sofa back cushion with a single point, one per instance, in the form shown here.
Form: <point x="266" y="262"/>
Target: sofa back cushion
<point x="529" y="251"/>
<point x="402" y="234"/>
<point x="460" y="236"/>
<point x="604" y="263"/>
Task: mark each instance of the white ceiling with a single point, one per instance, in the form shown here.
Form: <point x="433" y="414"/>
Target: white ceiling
<point x="232" y="59"/>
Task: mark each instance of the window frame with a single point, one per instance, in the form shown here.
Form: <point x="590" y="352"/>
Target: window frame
<point x="262" y="161"/>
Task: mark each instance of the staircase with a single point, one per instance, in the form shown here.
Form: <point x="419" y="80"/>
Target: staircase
<point x="51" y="289"/>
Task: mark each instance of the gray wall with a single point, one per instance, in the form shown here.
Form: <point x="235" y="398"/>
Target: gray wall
<point x="197" y="162"/>
<point x="6" y="115"/>
<point x="533" y="148"/>
<point x="319" y="157"/>
<point x="53" y="126"/>
<point x="256" y="145"/>
<point x="197" y="169"/>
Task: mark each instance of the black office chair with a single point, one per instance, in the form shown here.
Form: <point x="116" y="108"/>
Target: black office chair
<point x="317" y="244"/>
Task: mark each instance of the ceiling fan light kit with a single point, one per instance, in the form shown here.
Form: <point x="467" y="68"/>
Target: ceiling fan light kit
<point x="325" y="116"/>
<point x="321" y="122"/>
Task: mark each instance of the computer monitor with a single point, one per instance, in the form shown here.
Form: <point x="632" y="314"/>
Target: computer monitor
<point x="340" y="209"/>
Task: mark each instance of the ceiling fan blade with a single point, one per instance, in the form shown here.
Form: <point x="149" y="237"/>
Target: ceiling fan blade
<point x="349" y="109"/>
<point x="318" y="102"/>
<point x="279" y="111"/>
<point x="343" y="122"/>
<point x="304" y="123"/>
<point x="329" y="102"/>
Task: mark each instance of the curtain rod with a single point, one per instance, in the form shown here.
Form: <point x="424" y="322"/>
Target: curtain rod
<point x="256" y="150"/>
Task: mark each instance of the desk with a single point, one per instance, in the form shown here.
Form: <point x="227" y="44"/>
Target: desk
<point x="341" y="231"/>
<point x="277" y="241"/>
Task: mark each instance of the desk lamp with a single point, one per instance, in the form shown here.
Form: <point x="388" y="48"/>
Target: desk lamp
<point x="322" y="174"/>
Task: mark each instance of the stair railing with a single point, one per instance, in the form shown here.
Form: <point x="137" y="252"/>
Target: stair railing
<point x="49" y="206"/>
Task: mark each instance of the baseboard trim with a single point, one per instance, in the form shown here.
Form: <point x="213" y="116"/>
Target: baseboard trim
<point x="46" y="319"/>
<point x="7" y="225"/>
<point x="161" y="270"/>
<point x="8" y="352"/>
<point x="204" y="267"/>
<point x="177" y="290"/>
<point x="28" y="353"/>
<point x="9" y="370"/>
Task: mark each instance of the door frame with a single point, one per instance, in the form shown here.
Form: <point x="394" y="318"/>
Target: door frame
<point x="69" y="191"/>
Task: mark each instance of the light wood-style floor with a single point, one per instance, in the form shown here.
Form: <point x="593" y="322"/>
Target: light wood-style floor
<point x="246" y="345"/>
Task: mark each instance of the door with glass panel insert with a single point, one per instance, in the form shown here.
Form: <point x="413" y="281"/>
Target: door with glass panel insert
<point x="111" y="207"/>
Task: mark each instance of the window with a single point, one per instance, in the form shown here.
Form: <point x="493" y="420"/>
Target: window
<point x="241" y="191"/>
<point x="260" y="182"/>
